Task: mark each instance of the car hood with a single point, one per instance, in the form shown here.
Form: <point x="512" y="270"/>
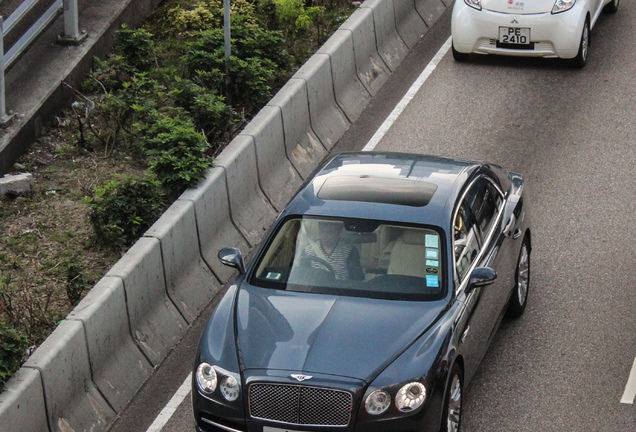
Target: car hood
<point x="316" y="333"/>
<point x="518" y="7"/>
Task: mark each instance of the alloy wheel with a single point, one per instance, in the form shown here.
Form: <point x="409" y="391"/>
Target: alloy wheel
<point x="454" y="405"/>
<point x="585" y="41"/>
<point x="523" y="275"/>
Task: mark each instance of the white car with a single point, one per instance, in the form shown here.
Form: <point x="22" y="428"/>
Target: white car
<point x="529" y="28"/>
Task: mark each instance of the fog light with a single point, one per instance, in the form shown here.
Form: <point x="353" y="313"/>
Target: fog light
<point x="230" y="388"/>
<point x="377" y="402"/>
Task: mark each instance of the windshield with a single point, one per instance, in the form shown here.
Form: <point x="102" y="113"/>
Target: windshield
<point x="353" y="257"/>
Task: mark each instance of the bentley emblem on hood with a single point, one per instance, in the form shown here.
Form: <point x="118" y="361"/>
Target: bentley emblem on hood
<point x="301" y="378"/>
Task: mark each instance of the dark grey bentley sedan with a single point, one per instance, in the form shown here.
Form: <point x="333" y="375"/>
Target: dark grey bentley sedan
<point x="370" y="302"/>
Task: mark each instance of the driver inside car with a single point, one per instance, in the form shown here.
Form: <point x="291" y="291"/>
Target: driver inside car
<point x="342" y="257"/>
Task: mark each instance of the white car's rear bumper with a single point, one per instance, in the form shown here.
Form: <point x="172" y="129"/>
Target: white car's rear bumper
<point x="550" y="35"/>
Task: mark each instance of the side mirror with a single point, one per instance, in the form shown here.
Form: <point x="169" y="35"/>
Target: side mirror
<point x="232" y="257"/>
<point x="481" y="277"/>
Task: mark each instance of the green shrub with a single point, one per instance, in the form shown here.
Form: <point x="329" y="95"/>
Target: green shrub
<point x="251" y="81"/>
<point x="177" y="154"/>
<point x="136" y="46"/>
<point x="12" y="347"/>
<point x="207" y="14"/>
<point x="122" y="211"/>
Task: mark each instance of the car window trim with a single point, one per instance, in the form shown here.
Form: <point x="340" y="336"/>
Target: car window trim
<point x="464" y="282"/>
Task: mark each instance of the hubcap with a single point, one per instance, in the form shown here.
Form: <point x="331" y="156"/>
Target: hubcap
<point x="454" y="405"/>
<point x="523" y="275"/>
<point x="584" y="41"/>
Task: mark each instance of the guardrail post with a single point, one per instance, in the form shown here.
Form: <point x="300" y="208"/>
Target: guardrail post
<point x="4" y="117"/>
<point x="72" y="34"/>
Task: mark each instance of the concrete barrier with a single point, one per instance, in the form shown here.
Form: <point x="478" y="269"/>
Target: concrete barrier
<point x="327" y="121"/>
<point x="352" y="97"/>
<point x="251" y="210"/>
<point x="118" y="365"/>
<point x="390" y="45"/>
<point x="73" y="402"/>
<point x="278" y="177"/>
<point x="303" y="146"/>
<point x="371" y="69"/>
<point x="409" y="24"/>
<point x="22" y="403"/>
<point x="155" y="322"/>
<point x="430" y="10"/>
<point x="214" y="222"/>
<point x="190" y="283"/>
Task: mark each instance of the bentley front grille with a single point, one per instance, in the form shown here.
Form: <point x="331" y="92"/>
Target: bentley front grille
<point x="300" y="405"/>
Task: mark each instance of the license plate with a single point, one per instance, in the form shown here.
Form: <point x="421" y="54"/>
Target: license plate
<point x="514" y="35"/>
<point x="271" y="429"/>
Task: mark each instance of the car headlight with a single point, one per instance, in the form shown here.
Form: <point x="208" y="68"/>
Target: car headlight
<point x="475" y="4"/>
<point x="410" y="397"/>
<point x="206" y="378"/>
<point x="377" y="402"/>
<point x="562" y="6"/>
<point x="229" y="388"/>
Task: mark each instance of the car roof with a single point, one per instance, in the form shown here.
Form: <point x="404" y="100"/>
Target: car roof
<point x="397" y="187"/>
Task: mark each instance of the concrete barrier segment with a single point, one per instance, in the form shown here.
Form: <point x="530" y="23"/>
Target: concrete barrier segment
<point x="155" y="323"/>
<point x="278" y="178"/>
<point x="409" y="24"/>
<point x="214" y="221"/>
<point x="119" y="368"/>
<point x="371" y="69"/>
<point x="352" y="97"/>
<point x="251" y="210"/>
<point x="303" y="146"/>
<point x="327" y="120"/>
<point x="22" y="405"/>
<point x="390" y="45"/>
<point x="190" y="283"/>
<point x="73" y="402"/>
<point x="430" y="10"/>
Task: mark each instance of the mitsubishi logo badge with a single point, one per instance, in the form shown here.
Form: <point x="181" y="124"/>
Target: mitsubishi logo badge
<point x="514" y="21"/>
<point x="300" y="377"/>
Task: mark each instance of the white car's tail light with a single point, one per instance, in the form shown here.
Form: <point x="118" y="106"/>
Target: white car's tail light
<point x="562" y="6"/>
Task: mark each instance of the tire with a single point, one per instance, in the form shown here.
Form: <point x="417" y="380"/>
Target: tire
<point x="452" y="416"/>
<point x="519" y="298"/>
<point x="611" y="7"/>
<point x="584" y="47"/>
<point x="458" y="56"/>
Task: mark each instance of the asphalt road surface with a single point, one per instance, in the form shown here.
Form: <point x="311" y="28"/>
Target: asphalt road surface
<point x="572" y="133"/>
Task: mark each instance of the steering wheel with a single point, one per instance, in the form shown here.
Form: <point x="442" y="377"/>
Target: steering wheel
<point x="308" y="260"/>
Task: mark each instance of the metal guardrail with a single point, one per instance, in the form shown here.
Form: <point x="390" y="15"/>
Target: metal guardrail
<point x="72" y="35"/>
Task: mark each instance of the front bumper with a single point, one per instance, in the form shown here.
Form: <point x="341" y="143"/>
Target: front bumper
<point x="551" y="36"/>
<point x="211" y="416"/>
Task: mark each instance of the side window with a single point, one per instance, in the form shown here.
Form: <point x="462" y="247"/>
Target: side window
<point x="465" y="241"/>
<point x="484" y="201"/>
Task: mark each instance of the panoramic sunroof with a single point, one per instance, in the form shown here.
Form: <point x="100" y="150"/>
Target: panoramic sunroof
<point x="382" y="190"/>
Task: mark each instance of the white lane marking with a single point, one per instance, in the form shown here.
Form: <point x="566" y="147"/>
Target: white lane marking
<point x="428" y="70"/>
<point x="183" y="391"/>
<point x="172" y="406"/>
<point x="630" y="388"/>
